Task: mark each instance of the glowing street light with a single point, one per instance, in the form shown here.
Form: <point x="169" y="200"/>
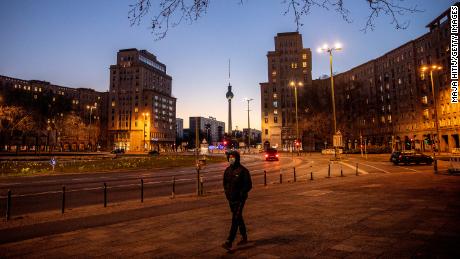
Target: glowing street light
<point x="90" y="108"/>
<point x="249" y="124"/>
<point x="295" y="85"/>
<point x="325" y="48"/>
<point x="146" y="115"/>
<point x="436" y="141"/>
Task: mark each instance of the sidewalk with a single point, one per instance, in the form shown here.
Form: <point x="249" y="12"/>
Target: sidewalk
<point x="377" y="215"/>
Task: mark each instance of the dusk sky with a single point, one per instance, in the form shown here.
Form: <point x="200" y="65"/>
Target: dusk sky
<point x="73" y="43"/>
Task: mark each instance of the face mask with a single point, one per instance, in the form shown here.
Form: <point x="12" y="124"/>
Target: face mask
<point x="232" y="160"/>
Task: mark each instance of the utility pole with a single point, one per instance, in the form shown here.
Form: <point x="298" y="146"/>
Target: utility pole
<point x="249" y="124"/>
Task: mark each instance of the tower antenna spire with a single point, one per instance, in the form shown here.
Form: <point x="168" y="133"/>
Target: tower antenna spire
<point x="228" y="70"/>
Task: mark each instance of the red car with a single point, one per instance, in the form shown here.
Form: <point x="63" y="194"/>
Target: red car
<point x="271" y="154"/>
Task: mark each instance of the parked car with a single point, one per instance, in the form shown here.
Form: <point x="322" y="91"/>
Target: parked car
<point x="118" y="151"/>
<point x="154" y="153"/>
<point x="271" y="154"/>
<point x="408" y="157"/>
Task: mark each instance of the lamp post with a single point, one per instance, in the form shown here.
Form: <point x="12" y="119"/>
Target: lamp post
<point x="325" y="48"/>
<point x="249" y="124"/>
<point x="295" y="84"/>
<point x="146" y="115"/>
<point x="436" y="141"/>
<point x="90" y="108"/>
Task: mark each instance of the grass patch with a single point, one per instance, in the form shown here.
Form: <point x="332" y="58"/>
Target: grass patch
<point x="30" y="168"/>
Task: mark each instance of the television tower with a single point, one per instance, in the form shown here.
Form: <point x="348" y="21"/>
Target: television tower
<point x="229" y="96"/>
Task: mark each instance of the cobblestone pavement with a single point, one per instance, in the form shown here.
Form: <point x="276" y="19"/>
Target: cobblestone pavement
<point x="387" y="215"/>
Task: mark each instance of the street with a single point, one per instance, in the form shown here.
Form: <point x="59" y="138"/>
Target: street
<point x="43" y="193"/>
<point x="386" y="211"/>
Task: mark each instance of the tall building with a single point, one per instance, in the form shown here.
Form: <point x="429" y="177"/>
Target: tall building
<point x="179" y="128"/>
<point x="142" y="110"/>
<point x="209" y="128"/>
<point x="288" y="66"/>
<point x="388" y="101"/>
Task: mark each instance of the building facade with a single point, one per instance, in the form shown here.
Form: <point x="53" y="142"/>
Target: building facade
<point x="56" y="118"/>
<point x="179" y="128"/>
<point x="255" y="136"/>
<point x="389" y="101"/>
<point x="289" y="67"/>
<point x="142" y="110"/>
<point x="385" y="102"/>
<point x="209" y="128"/>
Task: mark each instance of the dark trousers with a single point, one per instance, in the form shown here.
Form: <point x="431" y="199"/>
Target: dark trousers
<point x="237" y="219"/>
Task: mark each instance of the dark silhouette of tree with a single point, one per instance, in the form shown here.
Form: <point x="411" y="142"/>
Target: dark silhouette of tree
<point x="167" y="14"/>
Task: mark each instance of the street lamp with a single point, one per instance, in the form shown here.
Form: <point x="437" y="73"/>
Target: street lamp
<point x="249" y="125"/>
<point x="436" y="141"/>
<point x="325" y="48"/>
<point x="294" y="84"/>
<point x="90" y="108"/>
<point x="145" y="114"/>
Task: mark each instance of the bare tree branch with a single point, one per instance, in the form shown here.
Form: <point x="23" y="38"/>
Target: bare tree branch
<point x="170" y="13"/>
<point x="390" y="8"/>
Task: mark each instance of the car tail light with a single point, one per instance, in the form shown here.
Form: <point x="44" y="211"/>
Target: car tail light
<point x="276" y="155"/>
<point x="266" y="155"/>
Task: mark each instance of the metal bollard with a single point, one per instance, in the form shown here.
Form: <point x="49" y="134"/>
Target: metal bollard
<point x="8" y="206"/>
<point x="201" y="185"/>
<point x="63" y="200"/>
<point x="198" y="182"/>
<point x="435" y="166"/>
<point x="142" y="190"/>
<point x="295" y="178"/>
<point x="357" y="173"/>
<point x="341" y="172"/>
<point x="173" y="194"/>
<point x="329" y="171"/>
<point x="105" y="195"/>
<point x="311" y="176"/>
<point x="265" y="178"/>
<point x="281" y="177"/>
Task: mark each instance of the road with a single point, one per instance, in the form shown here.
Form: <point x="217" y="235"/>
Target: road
<point x="43" y="193"/>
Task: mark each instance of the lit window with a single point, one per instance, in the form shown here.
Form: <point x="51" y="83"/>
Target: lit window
<point x="136" y="110"/>
<point x="426" y="114"/>
<point x="275" y="95"/>
<point x="275" y="104"/>
<point x="113" y="103"/>
<point x="274" y="73"/>
<point x="275" y="111"/>
<point x="425" y="99"/>
<point x="304" y="56"/>
<point x="304" y="64"/>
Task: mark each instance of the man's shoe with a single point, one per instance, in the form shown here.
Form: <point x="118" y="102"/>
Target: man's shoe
<point x="242" y="242"/>
<point x="227" y="245"/>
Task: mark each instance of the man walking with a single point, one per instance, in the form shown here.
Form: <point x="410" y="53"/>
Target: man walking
<point x="237" y="184"/>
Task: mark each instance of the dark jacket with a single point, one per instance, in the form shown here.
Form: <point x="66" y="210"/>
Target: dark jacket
<point x="237" y="180"/>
